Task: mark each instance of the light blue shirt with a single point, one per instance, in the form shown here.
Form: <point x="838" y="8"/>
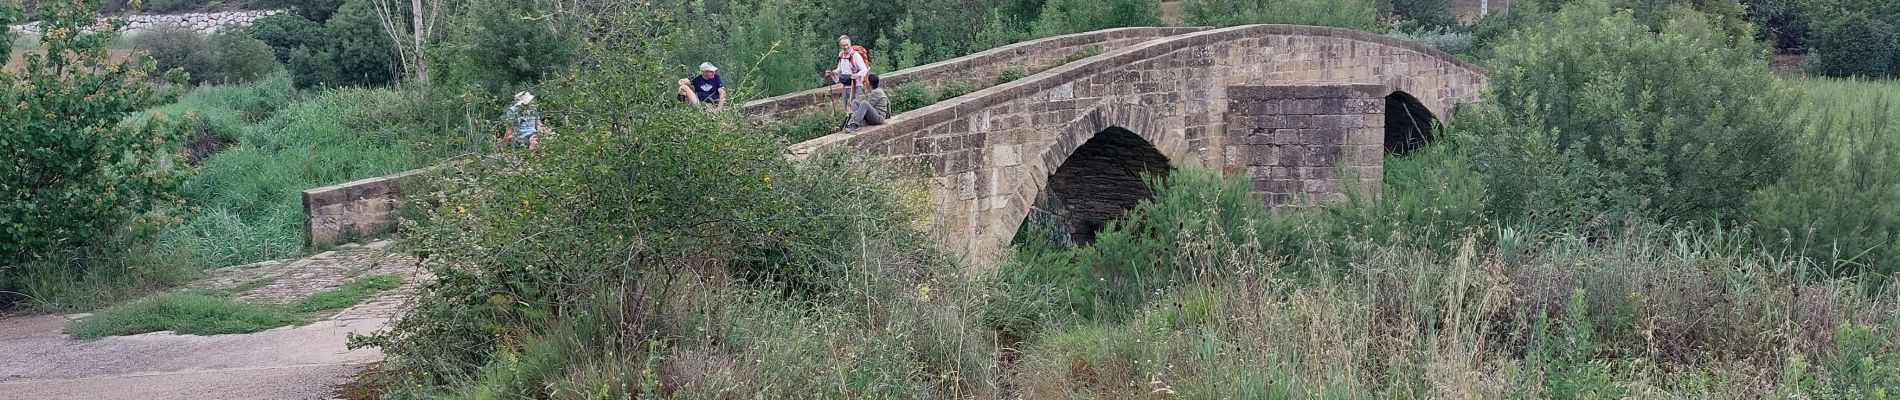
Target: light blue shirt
<point x="524" y="121"/>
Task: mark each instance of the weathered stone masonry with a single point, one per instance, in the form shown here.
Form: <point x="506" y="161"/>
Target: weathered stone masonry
<point x="1305" y="143"/>
<point x="994" y="151"/>
<point x="339" y="213"/>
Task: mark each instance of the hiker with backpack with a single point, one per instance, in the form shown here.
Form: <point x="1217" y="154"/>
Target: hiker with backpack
<point x="852" y="67"/>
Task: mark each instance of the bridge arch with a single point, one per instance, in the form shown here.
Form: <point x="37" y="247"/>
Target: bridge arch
<point x="1095" y="171"/>
<point x="1409" y="124"/>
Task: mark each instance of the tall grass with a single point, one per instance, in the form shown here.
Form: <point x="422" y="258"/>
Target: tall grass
<point x="1439" y="308"/>
<point x="1840" y="203"/>
<point x="247" y="196"/>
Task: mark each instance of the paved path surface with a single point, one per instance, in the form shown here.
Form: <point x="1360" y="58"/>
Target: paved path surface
<point x="38" y="361"/>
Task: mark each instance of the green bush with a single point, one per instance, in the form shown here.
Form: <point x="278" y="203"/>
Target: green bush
<point x="1782" y="22"/>
<point x="355" y="51"/>
<point x="174" y="47"/>
<point x="1011" y="74"/>
<point x="1070" y="16"/>
<point x="499" y="50"/>
<point x="242" y="59"/>
<point x="1353" y="14"/>
<point x="811" y="125"/>
<point x="1594" y="113"/>
<point x="285" y="33"/>
<point x="911" y="96"/>
<point x="80" y="178"/>
<point x="1855" y="39"/>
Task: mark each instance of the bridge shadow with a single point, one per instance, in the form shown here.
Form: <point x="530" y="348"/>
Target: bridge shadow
<point x="1097" y="184"/>
<point x="1409" y="125"/>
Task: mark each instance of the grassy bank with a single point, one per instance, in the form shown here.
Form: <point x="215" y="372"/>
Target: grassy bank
<point x="268" y="142"/>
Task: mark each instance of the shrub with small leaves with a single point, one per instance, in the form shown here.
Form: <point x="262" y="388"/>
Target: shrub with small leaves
<point x="77" y="175"/>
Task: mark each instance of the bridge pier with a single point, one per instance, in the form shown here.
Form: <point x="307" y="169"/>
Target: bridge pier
<point x="1309" y="143"/>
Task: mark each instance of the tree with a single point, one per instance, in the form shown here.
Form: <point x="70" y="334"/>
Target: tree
<point x="411" y="39"/>
<point x="1595" y="113"/>
<point x="77" y="173"/>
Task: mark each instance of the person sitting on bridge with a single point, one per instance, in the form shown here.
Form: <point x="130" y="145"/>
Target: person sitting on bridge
<point x="704" y="89"/>
<point x="523" y="121"/>
<point x="852" y="66"/>
<point x="872" y="109"/>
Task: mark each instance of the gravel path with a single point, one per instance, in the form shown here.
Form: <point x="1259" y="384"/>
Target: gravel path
<point x="38" y="360"/>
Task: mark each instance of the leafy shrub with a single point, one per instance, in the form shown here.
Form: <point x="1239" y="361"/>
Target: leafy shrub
<point x="355" y="51"/>
<point x="1354" y="14"/>
<point x="1596" y="113"/>
<point x="285" y="33"/>
<point x="174" y="47"/>
<point x="1781" y="22"/>
<point x="1441" y="38"/>
<point x="78" y="175"/>
<point x="500" y="48"/>
<point x="1855" y="39"/>
<point x="1011" y="74"/>
<point x="318" y="11"/>
<point x="242" y="59"/>
<point x="956" y="89"/>
<point x="911" y="96"/>
<point x="1070" y="16"/>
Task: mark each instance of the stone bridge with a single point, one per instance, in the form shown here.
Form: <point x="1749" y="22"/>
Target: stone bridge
<point x="1304" y="112"/>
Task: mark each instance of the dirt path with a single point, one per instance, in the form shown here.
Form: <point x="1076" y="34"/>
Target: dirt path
<point x="38" y="361"/>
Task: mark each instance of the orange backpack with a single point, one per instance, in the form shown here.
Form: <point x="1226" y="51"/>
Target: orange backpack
<point x="862" y="53"/>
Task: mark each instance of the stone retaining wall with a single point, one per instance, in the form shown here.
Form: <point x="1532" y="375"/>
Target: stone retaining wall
<point x="205" y="23"/>
<point x="343" y="212"/>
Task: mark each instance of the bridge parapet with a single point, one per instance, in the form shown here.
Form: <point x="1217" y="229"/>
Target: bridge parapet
<point x="1290" y="105"/>
<point x="978" y="69"/>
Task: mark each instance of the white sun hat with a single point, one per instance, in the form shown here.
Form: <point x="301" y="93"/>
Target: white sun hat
<point x="707" y="66"/>
<point x="523" y="98"/>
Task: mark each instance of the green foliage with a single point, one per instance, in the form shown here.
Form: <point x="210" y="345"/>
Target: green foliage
<point x="498" y="46"/>
<point x="187" y="313"/>
<point x="1782" y="22"/>
<point x="1442" y="38"/>
<point x="174" y="47"/>
<point x="354" y="51"/>
<point x="1855" y="38"/>
<point x="1840" y="201"/>
<point x="1011" y="74"/>
<point x="348" y="294"/>
<point x="1595" y="113"/>
<point x="1427" y="13"/>
<point x="812" y="124"/>
<point x="241" y="58"/>
<point x="1353" y="14"/>
<point x="317" y="11"/>
<point x="77" y="176"/>
<point x="911" y="96"/>
<point x="284" y="33"/>
<point x="1071" y="16"/>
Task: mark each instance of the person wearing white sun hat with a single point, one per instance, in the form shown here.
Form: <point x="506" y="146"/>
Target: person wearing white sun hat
<point x="523" y="121"/>
<point x="704" y="89"/>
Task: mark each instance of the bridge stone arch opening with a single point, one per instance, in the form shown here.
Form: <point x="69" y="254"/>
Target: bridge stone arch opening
<point x="1409" y="125"/>
<point x="1097" y="184"/>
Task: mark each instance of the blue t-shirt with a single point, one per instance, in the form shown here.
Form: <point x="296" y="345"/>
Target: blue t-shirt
<point x="707" y="89"/>
<point x="524" y="121"/>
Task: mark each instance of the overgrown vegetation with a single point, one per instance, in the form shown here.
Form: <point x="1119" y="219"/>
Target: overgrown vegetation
<point x="347" y="295"/>
<point x="81" y="187"/>
<point x="189" y="313"/>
